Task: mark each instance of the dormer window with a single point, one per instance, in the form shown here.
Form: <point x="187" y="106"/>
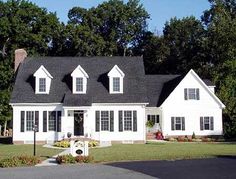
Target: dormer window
<point x="116" y="84"/>
<point x="42" y="80"/>
<point x="116" y="77"/>
<point x="42" y="84"/>
<point x="79" y="80"/>
<point x="79" y="85"/>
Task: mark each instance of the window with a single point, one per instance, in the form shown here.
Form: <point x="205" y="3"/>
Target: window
<point x="177" y="123"/>
<point x="42" y="84"/>
<point x="104" y="120"/>
<point x="79" y="84"/>
<point x="52" y="120"/>
<point x="154" y="118"/>
<point x="191" y="94"/>
<point x="29" y="120"/>
<point x="207" y="123"/>
<point x="128" y="120"/>
<point x="116" y="84"/>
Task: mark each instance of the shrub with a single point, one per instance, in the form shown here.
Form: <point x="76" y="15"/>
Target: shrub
<point x="93" y="144"/>
<point x="193" y="136"/>
<point x="180" y="139"/>
<point x="197" y="140"/>
<point x="150" y="124"/>
<point x="65" y="159"/>
<point x="83" y="159"/>
<point x="206" y="140"/>
<point x="19" y="161"/>
<point x="63" y="144"/>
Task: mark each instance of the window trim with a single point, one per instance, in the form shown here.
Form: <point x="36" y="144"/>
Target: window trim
<point x="108" y="120"/>
<point x="125" y="120"/>
<point x="42" y="87"/>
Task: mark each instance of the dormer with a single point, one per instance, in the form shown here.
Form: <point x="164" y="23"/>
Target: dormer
<point x="42" y="80"/>
<point x="79" y="80"/>
<point x="116" y="77"/>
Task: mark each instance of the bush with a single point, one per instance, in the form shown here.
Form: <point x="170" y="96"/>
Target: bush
<point x="171" y="139"/>
<point x="83" y="159"/>
<point x="207" y="140"/>
<point x="193" y="136"/>
<point x="196" y="140"/>
<point x="180" y="139"/>
<point x="62" y="144"/>
<point x="65" y="159"/>
<point x="19" y="161"/>
<point x="150" y="124"/>
<point x="93" y="144"/>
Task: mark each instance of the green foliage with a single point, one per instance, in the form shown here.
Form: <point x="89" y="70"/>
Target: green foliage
<point x="19" y="161"/>
<point x="93" y="143"/>
<point x="69" y="159"/>
<point x="193" y="136"/>
<point x="150" y="123"/>
<point x="62" y="144"/>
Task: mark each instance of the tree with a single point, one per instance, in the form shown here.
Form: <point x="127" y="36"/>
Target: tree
<point x="220" y="22"/>
<point x="23" y="25"/>
<point x="111" y="28"/>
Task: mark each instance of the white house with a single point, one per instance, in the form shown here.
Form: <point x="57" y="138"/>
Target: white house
<point x="107" y="99"/>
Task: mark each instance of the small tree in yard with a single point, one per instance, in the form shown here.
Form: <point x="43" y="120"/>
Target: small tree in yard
<point x="5" y="110"/>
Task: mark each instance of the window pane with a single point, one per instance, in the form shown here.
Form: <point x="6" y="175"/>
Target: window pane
<point x="178" y="123"/>
<point x="79" y="84"/>
<point x="42" y="84"/>
<point x="128" y="120"/>
<point x="104" y="120"/>
<point x="116" y="84"/>
<point x="192" y="93"/>
<point x="29" y="120"/>
<point x="206" y="123"/>
<point x="52" y="120"/>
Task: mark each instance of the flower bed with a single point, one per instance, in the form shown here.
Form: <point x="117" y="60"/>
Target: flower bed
<point x="19" y="161"/>
<point x="69" y="159"/>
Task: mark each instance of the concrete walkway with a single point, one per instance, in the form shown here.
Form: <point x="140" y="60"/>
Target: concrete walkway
<point x="52" y="161"/>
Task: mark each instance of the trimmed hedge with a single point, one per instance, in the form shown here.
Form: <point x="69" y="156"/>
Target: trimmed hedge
<point x="19" y="161"/>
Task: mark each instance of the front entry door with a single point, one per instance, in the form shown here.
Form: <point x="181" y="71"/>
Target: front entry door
<point x="78" y="123"/>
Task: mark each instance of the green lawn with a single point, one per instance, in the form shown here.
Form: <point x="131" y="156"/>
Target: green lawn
<point x="162" y="151"/>
<point x="14" y="150"/>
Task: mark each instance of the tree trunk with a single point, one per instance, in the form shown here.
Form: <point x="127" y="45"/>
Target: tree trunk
<point x="5" y="128"/>
<point x="124" y="51"/>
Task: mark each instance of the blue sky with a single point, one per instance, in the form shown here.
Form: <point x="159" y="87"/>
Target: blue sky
<point x="159" y="10"/>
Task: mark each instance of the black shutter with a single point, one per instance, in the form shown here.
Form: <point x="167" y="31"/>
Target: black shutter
<point x="120" y="121"/>
<point x="172" y="123"/>
<point x="111" y="121"/>
<point x="185" y="94"/>
<point x="97" y="121"/>
<point x="44" y="121"/>
<point x="58" y="121"/>
<point x="198" y="95"/>
<point x="22" y="121"/>
<point x="36" y="122"/>
<point x="134" y="121"/>
<point x="183" y="123"/>
<point x="212" y="123"/>
<point x="149" y="117"/>
<point x="201" y="123"/>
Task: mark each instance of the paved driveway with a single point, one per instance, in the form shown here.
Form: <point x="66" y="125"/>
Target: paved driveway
<point x="204" y="168"/>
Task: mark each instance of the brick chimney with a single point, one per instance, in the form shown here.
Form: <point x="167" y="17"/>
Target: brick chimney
<point x="20" y="55"/>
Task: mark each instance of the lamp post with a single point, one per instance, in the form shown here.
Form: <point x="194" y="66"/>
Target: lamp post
<point x="35" y="130"/>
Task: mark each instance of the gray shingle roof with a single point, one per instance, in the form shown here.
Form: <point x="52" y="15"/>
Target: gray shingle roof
<point x="138" y="87"/>
<point x="98" y="87"/>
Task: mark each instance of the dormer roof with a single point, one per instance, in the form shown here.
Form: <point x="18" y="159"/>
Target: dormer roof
<point x="79" y="72"/>
<point x="42" y="71"/>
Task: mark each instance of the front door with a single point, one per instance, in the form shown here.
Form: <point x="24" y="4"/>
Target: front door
<point x="78" y="123"/>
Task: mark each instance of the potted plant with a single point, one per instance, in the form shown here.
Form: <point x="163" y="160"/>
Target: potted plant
<point x="149" y="124"/>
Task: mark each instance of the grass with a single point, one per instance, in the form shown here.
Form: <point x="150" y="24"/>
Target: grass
<point x="162" y="151"/>
<point x="16" y="150"/>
